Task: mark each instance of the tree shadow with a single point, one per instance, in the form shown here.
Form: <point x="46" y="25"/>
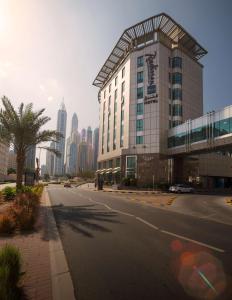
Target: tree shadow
<point x="83" y="219"/>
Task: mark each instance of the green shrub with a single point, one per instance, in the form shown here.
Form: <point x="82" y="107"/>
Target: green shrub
<point x="7" y="224"/>
<point x="10" y="272"/>
<point x="9" y="193"/>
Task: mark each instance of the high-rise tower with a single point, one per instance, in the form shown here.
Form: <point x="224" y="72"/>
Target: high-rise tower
<point x="60" y="146"/>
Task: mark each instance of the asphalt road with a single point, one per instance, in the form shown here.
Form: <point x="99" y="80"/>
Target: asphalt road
<point x="121" y="250"/>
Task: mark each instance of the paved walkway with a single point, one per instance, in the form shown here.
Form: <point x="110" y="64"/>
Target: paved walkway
<point x="35" y="251"/>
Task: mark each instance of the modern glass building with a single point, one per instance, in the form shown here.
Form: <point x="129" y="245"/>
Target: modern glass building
<point x="60" y="146"/>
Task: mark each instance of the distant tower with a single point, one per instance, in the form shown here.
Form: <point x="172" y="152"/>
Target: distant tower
<point x="95" y="147"/>
<point x="89" y="136"/>
<point x="50" y="160"/>
<point x="83" y="135"/>
<point x="30" y="159"/>
<point x="60" y="146"/>
<point x="83" y="157"/>
<point x="74" y="125"/>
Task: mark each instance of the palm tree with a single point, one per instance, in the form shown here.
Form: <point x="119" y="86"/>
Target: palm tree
<point x="22" y="129"/>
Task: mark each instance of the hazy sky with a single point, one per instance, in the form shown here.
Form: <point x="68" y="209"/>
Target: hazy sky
<point x="50" y="49"/>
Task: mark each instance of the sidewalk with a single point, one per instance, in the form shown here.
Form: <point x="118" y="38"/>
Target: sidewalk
<point x="36" y="259"/>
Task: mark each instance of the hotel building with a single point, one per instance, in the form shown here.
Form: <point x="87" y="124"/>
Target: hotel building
<point x="151" y="82"/>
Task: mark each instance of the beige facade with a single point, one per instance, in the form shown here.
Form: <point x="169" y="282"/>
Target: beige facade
<point x="155" y="85"/>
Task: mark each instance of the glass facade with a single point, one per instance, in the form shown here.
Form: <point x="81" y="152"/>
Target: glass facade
<point x="177" y="62"/>
<point x="139" y="92"/>
<point x="140" y="77"/>
<point x="202" y="129"/>
<point x="177" y="110"/>
<point x="140" y="61"/>
<point x="177" y="94"/>
<point x="139" y="108"/>
<point x="139" y="125"/>
<point x="131" y="166"/>
<point x="139" y="140"/>
<point x="176" y="78"/>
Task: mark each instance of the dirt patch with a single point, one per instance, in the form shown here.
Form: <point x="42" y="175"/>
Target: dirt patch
<point x="155" y="200"/>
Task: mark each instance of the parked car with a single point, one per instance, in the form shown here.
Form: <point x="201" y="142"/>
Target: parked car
<point x="67" y="184"/>
<point x="181" y="188"/>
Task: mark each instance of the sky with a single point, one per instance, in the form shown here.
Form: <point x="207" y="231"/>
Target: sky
<point x="53" y="49"/>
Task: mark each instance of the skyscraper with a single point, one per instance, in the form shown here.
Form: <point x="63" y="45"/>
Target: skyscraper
<point x="83" y="135"/>
<point x="50" y="160"/>
<point x="89" y="136"/>
<point x="60" y="146"/>
<point x="95" y="147"/>
<point x="72" y="147"/>
<point x="30" y="159"/>
<point x="74" y="125"/>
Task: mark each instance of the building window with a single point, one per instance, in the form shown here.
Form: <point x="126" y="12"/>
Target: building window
<point x="170" y="93"/>
<point x="140" y="61"/>
<point x="198" y="134"/>
<point x="123" y="72"/>
<point x="176" y="123"/>
<point x="118" y="162"/>
<point x="116" y="81"/>
<point x="177" y="94"/>
<point x="111" y="163"/>
<point x="122" y="115"/>
<point x="139" y="140"/>
<point x="177" y="78"/>
<point x="131" y="166"/>
<point x="177" y="110"/>
<point x="123" y="87"/>
<point x="139" y="125"/>
<point x="139" y="109"/>
<point x="115" y="106"/>
<point x="104" y="94"/>
<point x="109" y="88"/>
<point x="151" y="89"/>
<point x="109" y="103"/>
<point x="139" y="92"/>
<point x="170" y="109"/>
<point x="177" y="62"/>
<point x="140" y="77"/>
<point x="169" y="77"/>
<point x="169" y="62"/>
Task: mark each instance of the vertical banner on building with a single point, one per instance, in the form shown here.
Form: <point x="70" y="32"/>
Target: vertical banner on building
<point x="151" y="92"/>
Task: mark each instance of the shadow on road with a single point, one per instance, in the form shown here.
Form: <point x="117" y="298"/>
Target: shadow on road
<point x="84" y="219"/>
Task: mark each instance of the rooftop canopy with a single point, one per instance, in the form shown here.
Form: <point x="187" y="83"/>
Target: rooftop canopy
<point x="142" y="32"/>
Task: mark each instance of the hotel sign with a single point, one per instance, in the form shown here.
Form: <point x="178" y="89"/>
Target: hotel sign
<point x="151" y="72"/>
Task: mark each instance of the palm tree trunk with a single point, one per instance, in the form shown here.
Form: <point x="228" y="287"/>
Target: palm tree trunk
<point x="20" y="169"/>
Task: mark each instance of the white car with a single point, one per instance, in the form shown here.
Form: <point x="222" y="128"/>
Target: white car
<point x="181" y="188"/>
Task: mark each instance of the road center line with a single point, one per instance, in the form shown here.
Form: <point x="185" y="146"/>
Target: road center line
<point x="193" y="241"/>
<point x="153" y="226"/>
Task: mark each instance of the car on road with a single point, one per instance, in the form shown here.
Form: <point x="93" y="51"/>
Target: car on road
<point x="181" y="188"/>
<point x="67" y="184"/>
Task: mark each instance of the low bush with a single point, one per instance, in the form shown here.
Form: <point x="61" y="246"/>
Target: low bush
<point x="26" y="219"/>
<point x="9" y="193"/>
<point x="23" y="216"/>
<point x="10" y="272"/>
<point x="7" y="224"/>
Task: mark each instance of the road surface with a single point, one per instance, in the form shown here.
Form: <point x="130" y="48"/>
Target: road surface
<point x="117" y="249"/>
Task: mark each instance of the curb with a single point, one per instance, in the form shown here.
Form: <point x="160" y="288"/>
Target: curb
<point x="62" y="286"/>
<point x="133" y="192"/>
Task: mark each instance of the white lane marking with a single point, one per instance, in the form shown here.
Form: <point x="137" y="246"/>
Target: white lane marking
<point x="153" y="226"/>
<point x="193" y="241"/>
<point x="110" y="208"/>
<point x="147" y="223"/>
